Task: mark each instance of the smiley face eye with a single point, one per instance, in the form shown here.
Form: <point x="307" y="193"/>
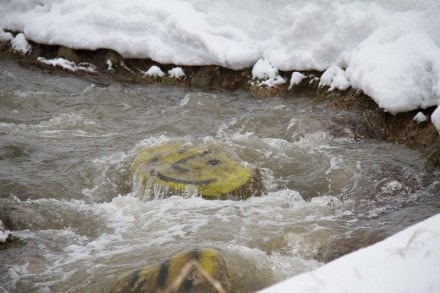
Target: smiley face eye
<point x="213" y="162"/>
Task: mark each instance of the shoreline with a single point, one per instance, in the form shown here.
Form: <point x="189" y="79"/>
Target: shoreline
<point x="104" y="65"/>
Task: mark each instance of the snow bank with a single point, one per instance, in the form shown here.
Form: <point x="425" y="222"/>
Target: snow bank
<point x="5" y="36"/>
<point x="435" y="118"/>
<point x="406" y="262"/>
<point x="389" y="49"/>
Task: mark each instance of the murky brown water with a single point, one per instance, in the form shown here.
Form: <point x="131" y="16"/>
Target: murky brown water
<point x="67" y="190"/>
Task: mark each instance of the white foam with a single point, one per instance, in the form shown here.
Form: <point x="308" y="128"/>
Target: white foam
<point x="4" y="234"/>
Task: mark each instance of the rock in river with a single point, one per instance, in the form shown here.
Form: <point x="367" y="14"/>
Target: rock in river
<point x="196" y="270"/>
<point x="212" y="171"/>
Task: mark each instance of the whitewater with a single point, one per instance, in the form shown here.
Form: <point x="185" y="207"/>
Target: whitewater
<point x="388" y="49"/>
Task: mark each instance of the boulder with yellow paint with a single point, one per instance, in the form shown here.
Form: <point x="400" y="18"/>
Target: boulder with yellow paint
<point x="196" y="270"/>
<point x="212" y="171"/>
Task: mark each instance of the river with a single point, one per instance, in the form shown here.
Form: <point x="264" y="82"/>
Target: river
<point x="68" y="194"/>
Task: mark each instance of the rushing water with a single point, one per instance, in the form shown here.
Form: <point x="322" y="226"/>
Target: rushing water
<point x="67" y="192"/>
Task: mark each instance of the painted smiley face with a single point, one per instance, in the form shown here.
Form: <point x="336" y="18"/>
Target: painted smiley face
<point x="212" y="170"/>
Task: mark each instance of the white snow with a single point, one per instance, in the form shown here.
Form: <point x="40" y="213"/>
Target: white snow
<point x="154" y="71"/>
<point x="4" y="36"/>
<point x="109" y="65"/>
<point x="435" y="118"/>
<point x="20" y="44"/>
<point x="267" y="74"/>
<point x="389" y="49"/>
<point x="408" y="261"/>
<point x="334" y="77"/>
<point x="176" y="73"/>
<point x="420" y="117"/>
<point x="296" y="78"/>
<point x="68" y="65"/>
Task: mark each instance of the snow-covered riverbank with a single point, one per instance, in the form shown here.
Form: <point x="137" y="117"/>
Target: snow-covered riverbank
<point x="388" y="49"/>
<point x="406" y="262"/>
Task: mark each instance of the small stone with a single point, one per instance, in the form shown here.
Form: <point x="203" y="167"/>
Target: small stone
<point x="11" y="151"/>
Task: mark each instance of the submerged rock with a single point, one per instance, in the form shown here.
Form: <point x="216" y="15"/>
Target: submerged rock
<point x="212" y="171"/>
<point x="11" y="150"/>
<point x="7" y="240"/>
<point x="197" y="270"/>
<point x="20" y="218"/>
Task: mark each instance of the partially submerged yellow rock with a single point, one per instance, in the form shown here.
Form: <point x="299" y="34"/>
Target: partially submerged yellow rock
<point x="196" y="270"/>
<point x="212" y="171"/>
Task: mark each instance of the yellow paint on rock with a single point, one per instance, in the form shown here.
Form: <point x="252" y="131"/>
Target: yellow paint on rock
<point x="161" y="277"/>
<point x="212" y="170"/>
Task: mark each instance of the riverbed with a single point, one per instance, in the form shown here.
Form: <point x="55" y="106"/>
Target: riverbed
<point x="67" y="190"/>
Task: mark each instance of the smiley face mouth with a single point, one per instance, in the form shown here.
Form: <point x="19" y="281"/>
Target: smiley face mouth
<point x="178" y="167"/>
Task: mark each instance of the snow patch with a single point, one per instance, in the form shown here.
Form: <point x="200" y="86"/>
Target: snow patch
<point x="435" y="118"/>
<point x="176" y="73"/>
<point x="154" y="71"/>
<point x="4" y="36"/>
<point x="334" y="77"/>
<point x="68" y="65"/>
<point x="267" y="74"/>
<point x="20" y="44"/>
<point x="420" y="117"/>
<point x="296" y="78"/>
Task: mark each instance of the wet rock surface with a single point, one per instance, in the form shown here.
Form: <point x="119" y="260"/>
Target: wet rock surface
<point x="212" y="171"/>
<point x="9" y="150"/>
<point x="196" y="270"/>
